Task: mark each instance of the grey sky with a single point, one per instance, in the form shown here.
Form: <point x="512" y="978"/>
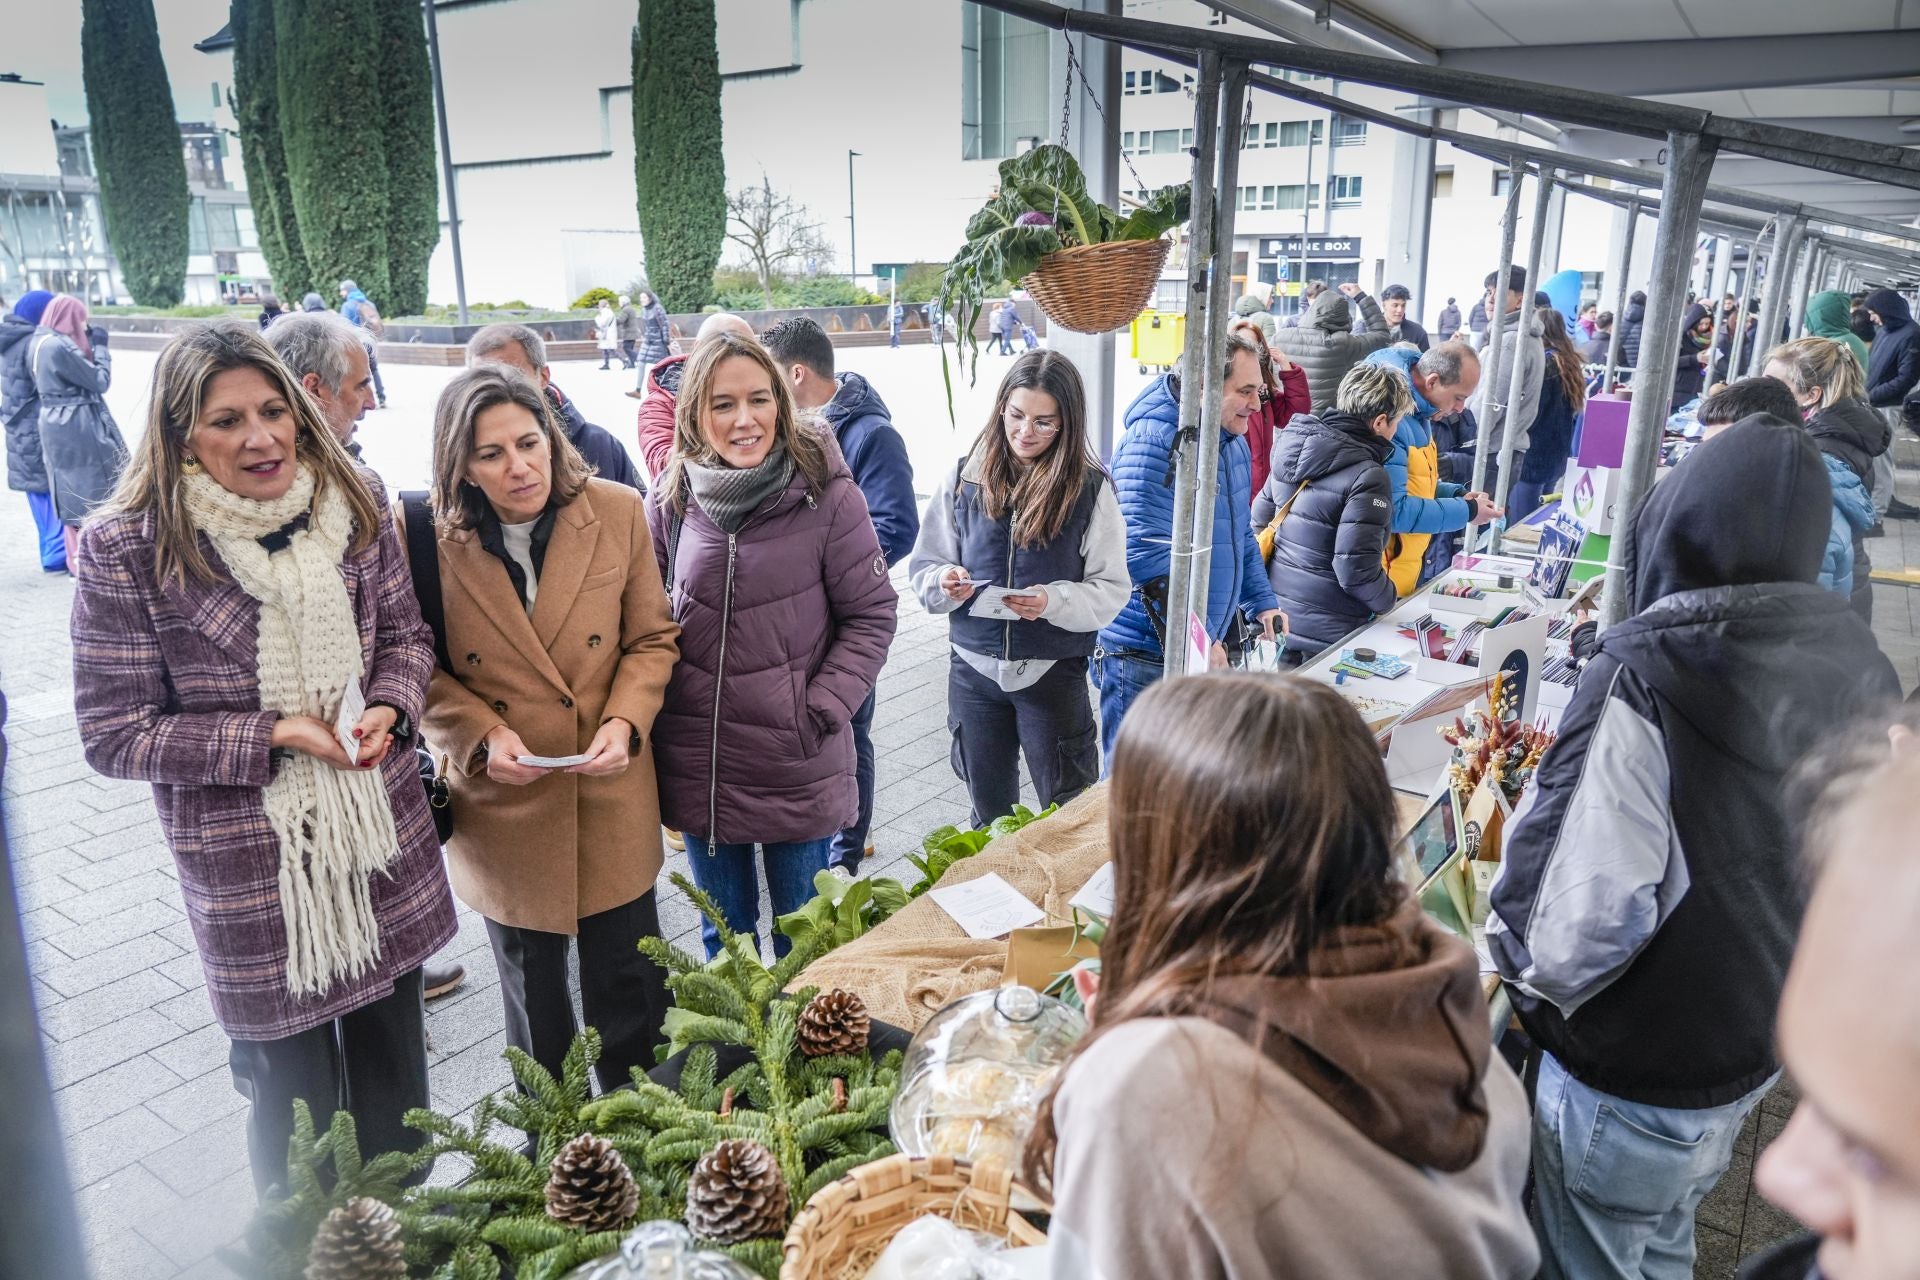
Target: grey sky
<point x="43" y="43"/>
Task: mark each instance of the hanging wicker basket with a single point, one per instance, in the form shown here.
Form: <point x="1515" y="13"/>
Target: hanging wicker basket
<point x="848" y="1223"/>
<point x="1097" y="288"/>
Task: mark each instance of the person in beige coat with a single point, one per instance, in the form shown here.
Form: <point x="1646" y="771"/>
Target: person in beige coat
<point x="558" y="643"/>
<point x="1290" y="1071"/>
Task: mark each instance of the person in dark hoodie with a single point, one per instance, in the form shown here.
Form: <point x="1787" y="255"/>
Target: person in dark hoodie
<point x="1630" y="326"/>
<point x="1827" y="384"/>
<point x="1331" y="506"/>
<point x="521" y="347"/>
<point x="877" y="456"/>
<point x="1893" y="362"/>
<point x="1301" y="1057"/>
<point x="1696" y="349"/>
<point x="1658" y="812"/>
<point x="20" y="415"/>
<point x="1324" y="345"/>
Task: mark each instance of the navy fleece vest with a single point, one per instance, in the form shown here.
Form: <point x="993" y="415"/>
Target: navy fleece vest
<point x="988" y="554"/>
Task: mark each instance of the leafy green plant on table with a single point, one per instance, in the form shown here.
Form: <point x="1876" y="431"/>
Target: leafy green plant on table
<point x="841" y="910"/>
<point x="1093" y="929"/>
<point x="947" y="845"/>
<point x="1041" y="207"/>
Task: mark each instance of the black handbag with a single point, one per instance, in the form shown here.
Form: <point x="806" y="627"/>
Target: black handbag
<point x="423" y="558"/>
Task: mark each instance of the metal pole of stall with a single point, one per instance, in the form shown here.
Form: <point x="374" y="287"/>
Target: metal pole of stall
<point x="1496" y="317"/>
<point x="1802" y="284"/>
<point x="1689" y="158"/>
<point x="1786" y="248"/>
<point x="446" y="160"/>
<point x="1200" y="252"/>
<point x="1737" y="344"/>
<point x="1516" y="383"/>
<point x="1722" y="269"/>
<point x="1233" y="97"/>
<point x="1620" y="298"/>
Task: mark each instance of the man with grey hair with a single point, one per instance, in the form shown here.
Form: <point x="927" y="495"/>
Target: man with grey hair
<point x="325" y="355"/>
<point x="663" y="392"/>
<point x="522" y="348"/>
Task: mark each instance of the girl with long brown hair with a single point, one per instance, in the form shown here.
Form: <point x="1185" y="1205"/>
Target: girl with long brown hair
<point x="1029" y="511"/>
<point x="1290" y="1071"/>
<point x="1563" y="398"/>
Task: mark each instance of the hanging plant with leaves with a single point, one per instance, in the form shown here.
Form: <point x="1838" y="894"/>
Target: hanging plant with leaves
<point x="1041" y="207"/>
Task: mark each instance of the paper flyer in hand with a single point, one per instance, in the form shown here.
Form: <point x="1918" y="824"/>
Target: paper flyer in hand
<point x="991" y="602"/>
<point x="988" y="907"/>
<point x="553" y="762"/>
<point x="353" y="705"/>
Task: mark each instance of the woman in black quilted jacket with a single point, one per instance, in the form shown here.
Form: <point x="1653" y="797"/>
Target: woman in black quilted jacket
<point x="1328" y="475"/>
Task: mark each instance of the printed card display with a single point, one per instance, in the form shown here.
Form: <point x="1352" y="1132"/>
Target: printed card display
<point x="1096" y="895"/>
<point x="991" y="602"/>
<point x="1559" y="545"/>
<point x="987" y="907"/>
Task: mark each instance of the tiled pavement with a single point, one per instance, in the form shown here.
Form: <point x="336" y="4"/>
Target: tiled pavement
<point x="155" y="1130"/>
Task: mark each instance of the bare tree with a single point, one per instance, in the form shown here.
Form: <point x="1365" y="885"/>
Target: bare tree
<point x="775" y="229"/>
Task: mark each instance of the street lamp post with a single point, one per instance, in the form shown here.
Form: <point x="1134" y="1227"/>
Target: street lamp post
<point x="853" y="243"/>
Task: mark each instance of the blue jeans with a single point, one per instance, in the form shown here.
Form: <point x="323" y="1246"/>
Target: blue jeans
<point x="726" y="872"/>
<point x="850" y="846"/>
<point x="1616" y="1183"/>
<point x="53" y="545"/>
<point x="1121" y="680"/>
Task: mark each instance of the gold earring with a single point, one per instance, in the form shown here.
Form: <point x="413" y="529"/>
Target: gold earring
<point x="190" y="465"/>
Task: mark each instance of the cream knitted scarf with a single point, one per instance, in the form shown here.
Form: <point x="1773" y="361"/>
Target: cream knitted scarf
<point x="334" y="827"/>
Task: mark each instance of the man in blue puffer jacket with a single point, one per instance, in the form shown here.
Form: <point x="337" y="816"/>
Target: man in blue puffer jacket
<point x="1130" y="650"/>
<point x="1424" y="504"/>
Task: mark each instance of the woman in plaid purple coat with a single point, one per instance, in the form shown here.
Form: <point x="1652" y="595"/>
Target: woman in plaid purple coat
<point x="246" y="594"/>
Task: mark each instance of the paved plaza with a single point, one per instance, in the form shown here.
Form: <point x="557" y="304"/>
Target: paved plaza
<point x="154" y="1128"/>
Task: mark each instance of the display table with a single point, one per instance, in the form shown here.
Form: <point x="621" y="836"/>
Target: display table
<point x="911" y="965"/>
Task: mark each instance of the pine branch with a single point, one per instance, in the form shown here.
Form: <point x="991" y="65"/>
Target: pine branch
<point x="834" y="1170"/>
<point x="698" y="1083"/>
<point x="669" y="957"/>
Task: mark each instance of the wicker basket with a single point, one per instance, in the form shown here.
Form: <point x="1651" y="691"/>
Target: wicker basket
<point x="847" y="1223"/>
<point x="1097" y="288"/>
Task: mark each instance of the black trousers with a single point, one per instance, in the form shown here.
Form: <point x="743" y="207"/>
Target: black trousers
<point x="623" y="993"/>
<point x="371" y="1062"/>
<point x="1049" y="721"/>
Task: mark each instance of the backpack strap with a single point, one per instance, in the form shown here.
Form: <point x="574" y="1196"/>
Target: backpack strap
<point x="423" y="557"/>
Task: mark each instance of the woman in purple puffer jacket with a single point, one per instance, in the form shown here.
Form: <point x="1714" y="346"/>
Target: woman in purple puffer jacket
<point x="780" y="588"/>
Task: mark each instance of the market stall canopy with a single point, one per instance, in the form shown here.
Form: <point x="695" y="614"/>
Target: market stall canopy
<point x="1844" y="68"/>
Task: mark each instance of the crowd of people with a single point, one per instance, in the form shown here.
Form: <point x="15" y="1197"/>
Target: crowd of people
<point x="599" y="658"/>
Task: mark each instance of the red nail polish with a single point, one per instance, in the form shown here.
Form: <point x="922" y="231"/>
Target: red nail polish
<point x="356" y="733"/>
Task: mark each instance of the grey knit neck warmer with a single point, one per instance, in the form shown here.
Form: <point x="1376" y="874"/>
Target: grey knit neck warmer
<point x="730" y="494"/>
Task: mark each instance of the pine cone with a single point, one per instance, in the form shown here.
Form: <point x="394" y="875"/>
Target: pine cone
<point x="834" y="1022"/>
<point x="590" y="1187"/>
<point x="359" y="1240"/>
<point x="736" y="1193"/>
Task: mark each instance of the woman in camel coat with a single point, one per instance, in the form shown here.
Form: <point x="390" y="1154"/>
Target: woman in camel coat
<point x="558" y="642"/>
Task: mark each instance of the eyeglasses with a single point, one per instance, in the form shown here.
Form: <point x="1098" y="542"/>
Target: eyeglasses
<point x="1028" y="424"/>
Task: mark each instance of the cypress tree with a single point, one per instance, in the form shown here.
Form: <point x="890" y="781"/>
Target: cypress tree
<point x="413" y="190"/>
<point x="256" y="101"/>
<point x="678" y="168"/>
<point x="328" y="52"/>
<point x="136" y="148"/>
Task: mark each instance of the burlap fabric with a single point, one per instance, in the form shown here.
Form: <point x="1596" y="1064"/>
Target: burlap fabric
<point x="919" y="961"/>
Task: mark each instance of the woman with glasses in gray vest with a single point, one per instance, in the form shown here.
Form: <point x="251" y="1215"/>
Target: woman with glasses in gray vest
<point x="1024" y="549"/>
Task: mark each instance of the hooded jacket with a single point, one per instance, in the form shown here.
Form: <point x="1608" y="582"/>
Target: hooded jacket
<point x="1631" y="324"/>
<point x="1142" y="470"/>
<point x="1829" y="315"/>
<point x="877" y="456"/>
<point x="1658" y="811"/>
<point x="1853" y="515"/>
<point x="1423" y="503"/>
<point x="784" y="627"/>
<point x="1853" y="433"/>
<point x="662" y="383"/>
<point x="1489" y="402"/>
<point x="1328" y="568"/>
<point x="350" y="306"/>
<point x="1323" y="345"/>
<point x="1454" y="438"/>
<point x="1250" y="305"/>
<point x="20" y="408"/>
<point x="1689" y="375"/>
<point x="1893" y="365"/>
<point x="79" y="439"/>
<point x="610" y="459"/>
<point x="1352" y="1123"/>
